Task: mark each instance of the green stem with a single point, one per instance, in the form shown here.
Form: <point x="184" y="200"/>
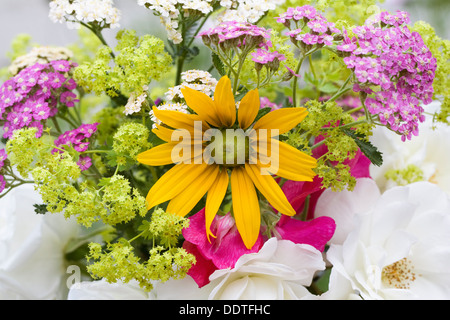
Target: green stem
<point x="99" y="35"/>
<point x="341" y="90"/>
<point x="94" y="151"/>
<point x="295" y="82"/>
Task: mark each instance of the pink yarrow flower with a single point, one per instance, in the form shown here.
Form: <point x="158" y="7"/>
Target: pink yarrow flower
<point x="396" y="60"/>
<point x="33" y="94"/>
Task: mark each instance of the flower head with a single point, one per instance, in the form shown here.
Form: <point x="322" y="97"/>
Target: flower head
<point x="207" y="169"/>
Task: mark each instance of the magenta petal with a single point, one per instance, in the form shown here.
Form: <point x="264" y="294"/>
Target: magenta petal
<point x="202" y="268"/>
<point x="316" y="232"/>
<point x="226" y="248"/>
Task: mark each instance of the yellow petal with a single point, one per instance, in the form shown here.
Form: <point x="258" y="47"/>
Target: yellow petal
<point x="186" y="200"/>
<point x="283" y="120"/>
<point x="248" y="109"/>
<point x="270" y="189"/>
<point x="245" y="206"/>
<point x="163" y="133"/>
<point x="173" y="182"/>
<point x="287" y="162"/>
<point x="214" y="199"/>
<point x="224" y="101"/>
<point x="179" y="120"/>
<point x="157" y="156"/>
<point x="202" y="104"/>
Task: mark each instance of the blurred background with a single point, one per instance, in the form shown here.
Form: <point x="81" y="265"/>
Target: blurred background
<point x="31" y="17"/>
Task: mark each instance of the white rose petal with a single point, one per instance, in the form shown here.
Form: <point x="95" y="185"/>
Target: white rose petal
<point x="32" y="264"/>
<point x="399" y="248"/>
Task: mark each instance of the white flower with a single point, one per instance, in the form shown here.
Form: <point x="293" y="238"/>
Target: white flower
<point x="32" y="264"/>
<point x="343" y="206"/>
<point x="424" y="158"/>
<point x="399" y="248"/>
<point x="247" y="10"/>
<point x="73" y="12"/>
<point x="279" y="271"/>
<point x="103" y="290"/>
<point x="134" y="103"/>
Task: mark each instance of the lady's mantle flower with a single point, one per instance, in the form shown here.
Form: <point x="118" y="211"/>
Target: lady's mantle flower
<point x="186" y="183"/>
<point x="399" y="246"/>
<point x="3" y="157"/>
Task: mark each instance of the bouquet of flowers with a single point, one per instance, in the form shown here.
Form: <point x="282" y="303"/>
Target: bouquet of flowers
<point x="306" y="160"/>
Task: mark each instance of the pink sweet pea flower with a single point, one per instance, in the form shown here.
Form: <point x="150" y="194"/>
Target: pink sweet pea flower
<point x="221" y="253"/>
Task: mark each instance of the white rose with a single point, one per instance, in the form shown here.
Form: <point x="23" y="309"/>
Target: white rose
<point x="279" y="271"/>
<point x="427" y="153"/>
<point x="103" y="290"/>
<point x="399" y="248"/>
<point x="32" y="264"/>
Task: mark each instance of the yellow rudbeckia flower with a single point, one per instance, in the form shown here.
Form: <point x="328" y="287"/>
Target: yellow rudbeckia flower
<point x="195" y="175"/>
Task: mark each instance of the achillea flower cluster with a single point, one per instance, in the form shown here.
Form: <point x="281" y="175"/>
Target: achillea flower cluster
<point x="393" y="66"/>
<point x="169" y="13"/>
<point x="308" y="27"/>
<point x="40" y="55"/>
<point x="79" y="140"/>
<point x="32" y="96"/>
<point x="135" y="102"/>
<point x="247" y="10"/>
<point x="271" y="60"/>
<point x="233" y="34"/>
<point x="76" y="12"/>
<point x="3" y="157"/>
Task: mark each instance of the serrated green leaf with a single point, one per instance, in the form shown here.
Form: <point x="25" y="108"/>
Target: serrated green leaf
<point x="218" y="64"/>
<point x="369" y="150"/>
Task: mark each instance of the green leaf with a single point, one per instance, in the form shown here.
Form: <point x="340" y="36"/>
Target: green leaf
<point x="40" y="208"/>
<point x="218" y="64"/>
<point x="369" y="150"/>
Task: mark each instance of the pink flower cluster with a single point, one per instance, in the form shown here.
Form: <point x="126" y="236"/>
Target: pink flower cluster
<point x="395" y="68"/>
<point x="3" y="157"/>
<point x="79" y="140"/>
<point x="271" y="60"/>
<point x="32" y="96"/>
<point x="308" y="27"/>
<point x="233" y="34"/>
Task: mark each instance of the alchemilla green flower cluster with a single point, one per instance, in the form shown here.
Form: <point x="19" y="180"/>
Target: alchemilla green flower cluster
<point x="76" y="119"/>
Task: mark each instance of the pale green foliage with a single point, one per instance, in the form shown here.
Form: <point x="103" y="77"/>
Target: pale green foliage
<point x="165" y="227"/>
<point x="441" y="51"/>
<point x="122" y="201"/>
<point x="325" y="120"/>
<point x="109" y="120"/>
<point x="131" y="139"/>
<point x="139" y="60"/>
<point x="55" y="175"/>
<point x="119" y="263"/>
